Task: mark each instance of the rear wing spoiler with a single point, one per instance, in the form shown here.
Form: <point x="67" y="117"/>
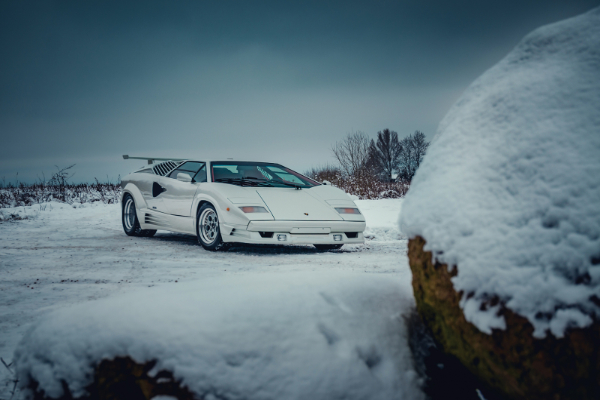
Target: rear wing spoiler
<point x="152" y="159"/>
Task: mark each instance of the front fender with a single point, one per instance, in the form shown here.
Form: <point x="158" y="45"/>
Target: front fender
<point x="204" y="197"/>
<point x="232" y="217"/>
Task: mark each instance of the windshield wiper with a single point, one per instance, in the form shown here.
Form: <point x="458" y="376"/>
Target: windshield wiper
<point x="242" y="182"/>
<point x="252" y="181"/>
<point x="280" y="181"/>
<point x="239" y="181"/>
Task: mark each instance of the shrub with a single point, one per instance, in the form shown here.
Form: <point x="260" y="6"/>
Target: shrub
<point x="364" y="183"/>
<point x="27" y="195"/>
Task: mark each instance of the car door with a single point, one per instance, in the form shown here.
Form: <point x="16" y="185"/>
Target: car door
<point x="152" y="190"/>
<point x="178" y="196"/>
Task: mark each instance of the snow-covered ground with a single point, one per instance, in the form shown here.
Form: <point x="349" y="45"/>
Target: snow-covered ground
<point x="61" y="257"/>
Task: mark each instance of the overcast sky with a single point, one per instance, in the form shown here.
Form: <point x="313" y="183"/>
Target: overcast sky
<point x="84" y="82"/>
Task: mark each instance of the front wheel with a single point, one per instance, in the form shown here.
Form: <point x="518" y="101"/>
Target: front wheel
<point x="207" y="228"/>
<point x="326" y="247"/>
<point x="131" y="224"/>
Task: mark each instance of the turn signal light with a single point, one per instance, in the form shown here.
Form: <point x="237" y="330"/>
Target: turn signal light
<point x="253" y="209"/>
<point x="343" y="210"/>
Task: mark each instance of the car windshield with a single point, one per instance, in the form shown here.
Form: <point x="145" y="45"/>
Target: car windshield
<point x="258" y="174"/>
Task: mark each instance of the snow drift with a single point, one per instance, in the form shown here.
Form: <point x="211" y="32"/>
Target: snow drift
<point x="510" y="188"/>
<point x="263" y="336"/>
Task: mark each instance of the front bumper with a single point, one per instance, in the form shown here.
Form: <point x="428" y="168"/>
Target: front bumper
<point x="295" y="232"/>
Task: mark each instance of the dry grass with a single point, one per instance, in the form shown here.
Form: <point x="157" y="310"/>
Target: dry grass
<point x="27" y="195"/>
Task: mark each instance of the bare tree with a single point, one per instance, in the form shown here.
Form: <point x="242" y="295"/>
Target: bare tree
<point x="420" y="146"/>
<point x="414" y="148"/>
<point x="384" y="154"/>
<point x="352" y="153"/>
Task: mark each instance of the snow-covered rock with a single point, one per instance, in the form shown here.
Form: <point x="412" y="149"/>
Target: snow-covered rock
<point x="263" y="336"/>
<point x="509" y="191"/>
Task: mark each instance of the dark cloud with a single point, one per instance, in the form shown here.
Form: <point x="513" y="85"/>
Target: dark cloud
<point x="84" y="82"/>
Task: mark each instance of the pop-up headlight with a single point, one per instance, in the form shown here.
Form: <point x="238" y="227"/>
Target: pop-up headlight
<point x="253" y="209"/>
<point x="344" y="210"/>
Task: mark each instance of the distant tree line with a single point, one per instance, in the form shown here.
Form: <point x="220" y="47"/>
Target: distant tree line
<point x="57" y="188"/>
<point x="374" y="168"/>
<point x="384" y="156"/>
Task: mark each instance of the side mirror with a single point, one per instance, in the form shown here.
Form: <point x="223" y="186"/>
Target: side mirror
<point x="326" y="183"/>
<point x="183" y="177"/>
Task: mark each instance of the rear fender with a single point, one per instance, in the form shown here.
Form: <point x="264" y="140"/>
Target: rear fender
<point x="130" y="188"/>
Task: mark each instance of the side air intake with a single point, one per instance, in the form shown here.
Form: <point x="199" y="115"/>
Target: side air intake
<point x="154" y="220"/>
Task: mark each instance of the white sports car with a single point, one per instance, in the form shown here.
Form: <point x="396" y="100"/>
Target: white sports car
<point x="225" y="202"/>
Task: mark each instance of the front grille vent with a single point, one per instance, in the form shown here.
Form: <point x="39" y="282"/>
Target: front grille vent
<point x="352" y="235"/>
<point x="165" y="167"/>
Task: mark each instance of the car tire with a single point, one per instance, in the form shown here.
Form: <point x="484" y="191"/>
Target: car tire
<point x="129" y="219"/>
<point x="147" y="232"/>
<point x="207" y="228"/>
<point x="327" y="247"/>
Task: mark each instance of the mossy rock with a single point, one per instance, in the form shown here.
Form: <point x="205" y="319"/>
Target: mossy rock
<point x="512" y="361"/>
<point x="124" y="379"/>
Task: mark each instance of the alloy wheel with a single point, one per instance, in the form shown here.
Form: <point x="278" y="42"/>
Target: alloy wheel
<point x="129" y="214"/>
<point x="209" y="226"/>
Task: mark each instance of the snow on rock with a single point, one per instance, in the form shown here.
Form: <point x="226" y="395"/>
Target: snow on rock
<point x="510" y="188"/>
<point x="263" y="336"/>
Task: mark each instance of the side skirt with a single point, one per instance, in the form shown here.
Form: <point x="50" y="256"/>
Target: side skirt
<point x="152" y="219"/>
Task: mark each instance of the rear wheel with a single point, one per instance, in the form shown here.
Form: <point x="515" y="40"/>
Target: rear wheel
<point x="131" y="224"/>
<point x="326" y="247"/>
<point x="207" y="228"/>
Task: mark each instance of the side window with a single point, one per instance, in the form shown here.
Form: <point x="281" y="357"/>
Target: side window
<point x="175" y="172"/>
<point x="192" y="166"/>
<point x="193" y="169"/>
<point x="201" y="175"/>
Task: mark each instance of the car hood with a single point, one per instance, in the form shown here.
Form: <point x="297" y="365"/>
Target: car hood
<point x="297" y="205"/>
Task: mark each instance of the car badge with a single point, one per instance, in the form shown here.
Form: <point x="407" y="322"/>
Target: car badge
<point x="305" y="213"/>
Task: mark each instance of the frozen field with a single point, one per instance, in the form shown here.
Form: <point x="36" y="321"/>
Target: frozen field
<point x="62" y="256"/>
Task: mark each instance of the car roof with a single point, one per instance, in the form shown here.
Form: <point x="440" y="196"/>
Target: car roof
<point x="228" y="160"/>
<point x="180" y="161"/>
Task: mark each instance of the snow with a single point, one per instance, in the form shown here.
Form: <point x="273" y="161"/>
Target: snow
<point x="25" y="212"/>
<point x="380" y="226"/>
<point x="289" y="311"/>
<point x="316" y="335"/>
<point x="509" y="191"/>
